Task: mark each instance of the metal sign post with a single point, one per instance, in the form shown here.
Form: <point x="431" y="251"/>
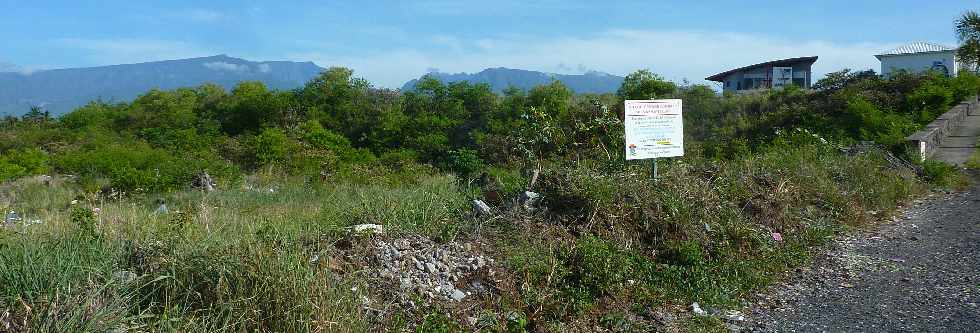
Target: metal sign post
<point x="653" y="169"/>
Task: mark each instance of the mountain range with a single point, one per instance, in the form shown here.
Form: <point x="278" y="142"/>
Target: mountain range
<point x="501" y="78"/>
<point x="62" y="90"/>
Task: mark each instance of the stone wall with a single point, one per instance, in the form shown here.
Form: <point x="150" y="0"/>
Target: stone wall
<point x="929" y="138"/>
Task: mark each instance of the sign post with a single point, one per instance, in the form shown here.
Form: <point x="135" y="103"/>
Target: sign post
<point x="653" y="129"/>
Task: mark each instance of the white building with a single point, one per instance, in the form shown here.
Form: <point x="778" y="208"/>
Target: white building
<point x="920" y="57"/>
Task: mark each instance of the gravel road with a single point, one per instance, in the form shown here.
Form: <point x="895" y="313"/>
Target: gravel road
<point x="918" y="273"/>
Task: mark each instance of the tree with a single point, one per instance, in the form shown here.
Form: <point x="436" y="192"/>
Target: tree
<point x="37" y="115"/>
<point x="967" y="29"/>
<point x="644" y="84"/>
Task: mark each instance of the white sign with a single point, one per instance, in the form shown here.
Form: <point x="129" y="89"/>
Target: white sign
<point x="654" y="128"/>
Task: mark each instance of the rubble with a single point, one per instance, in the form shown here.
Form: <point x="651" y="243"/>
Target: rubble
<point x="124" y="277"/>
<point x="438" y="272"/>
<point x="11" y="219"/>
<point x="45" y="179"/>
<point x="204" y="182"/>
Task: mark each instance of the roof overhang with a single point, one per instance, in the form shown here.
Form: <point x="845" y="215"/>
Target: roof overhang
<point x="887" y="55"/>
<point x="720" y="77"/>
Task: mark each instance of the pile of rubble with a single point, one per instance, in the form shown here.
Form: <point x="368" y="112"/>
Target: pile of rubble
<point x="441" y="272"/>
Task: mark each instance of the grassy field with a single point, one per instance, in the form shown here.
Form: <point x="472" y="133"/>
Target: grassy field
<point x="607" y="249"/>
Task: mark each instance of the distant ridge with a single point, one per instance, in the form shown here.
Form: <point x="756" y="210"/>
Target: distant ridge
<point x="62" y="90"/>
<point x="501" y="78"/>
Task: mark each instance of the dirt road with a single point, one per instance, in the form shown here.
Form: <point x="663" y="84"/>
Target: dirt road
<point x="918" y="273"/>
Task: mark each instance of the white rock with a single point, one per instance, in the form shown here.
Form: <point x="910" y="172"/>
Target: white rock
<point x="481" y="207"/>
<point x="458" y="295"/>
<point x="528" y="199"/>
<point x="696" y="309"/>
<point x="124" y="277"/>
<point x="368" y="228"/>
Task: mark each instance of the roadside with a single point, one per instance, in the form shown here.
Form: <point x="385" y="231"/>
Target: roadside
<point x="918" y="273"/>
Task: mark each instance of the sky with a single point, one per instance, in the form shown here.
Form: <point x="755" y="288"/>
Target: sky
<point x="390" y="42"/>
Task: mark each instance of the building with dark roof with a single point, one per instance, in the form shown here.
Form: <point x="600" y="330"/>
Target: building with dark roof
<point x="768" y="75"/>
<point x="919" y="57"/>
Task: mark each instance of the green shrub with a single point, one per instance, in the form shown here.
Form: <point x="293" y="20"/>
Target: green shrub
<point x="868" y="123"/>
<point x="135" y="166"/>
<point x="438" y="322"/>
<point x="576" y="191"/>
<point x="965" y="85"/>
<point x="270" y="146"/>
<point x="597" y="268"/>
<point x="941" y="174"/>
<point x="22" y="162"/>
<point x="930" y="100"/>
<point x="687" y="253"/>
<point x="10" y="170"/>
<point x="84" y="219"/>
<point x="464" y="162"/>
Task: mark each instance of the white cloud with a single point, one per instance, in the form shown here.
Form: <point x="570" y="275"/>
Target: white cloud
<point x="6" y="67"/>
<point x="131" y="50"/>
<point x="677" y="55"/>
<point x="264" y="68"/>
<point x="472" y="7"/>
<point x="226" y="66"/>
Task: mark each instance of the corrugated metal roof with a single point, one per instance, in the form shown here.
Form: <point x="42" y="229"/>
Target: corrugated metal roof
<point x="918" y="47"/>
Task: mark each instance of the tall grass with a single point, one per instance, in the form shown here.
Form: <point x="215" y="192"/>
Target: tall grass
<point x="607" y="241"/>
<point x="232" y="260"/>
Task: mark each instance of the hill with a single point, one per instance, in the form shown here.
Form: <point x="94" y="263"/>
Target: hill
<point x="500" y="78"/>
<point x="61" y="90"/>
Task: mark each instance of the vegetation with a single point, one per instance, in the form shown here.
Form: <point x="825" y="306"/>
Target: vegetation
<point x="606" y="248"/>
<point x="967" y="29"/>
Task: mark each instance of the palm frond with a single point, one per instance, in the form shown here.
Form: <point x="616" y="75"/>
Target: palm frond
<point x="967" y="27"/>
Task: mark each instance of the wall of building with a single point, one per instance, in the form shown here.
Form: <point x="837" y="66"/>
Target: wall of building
<point x="918" y="62"/>
<point x="758" y="78"/>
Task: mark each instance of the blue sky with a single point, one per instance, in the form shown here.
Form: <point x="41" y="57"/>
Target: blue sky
<point x="389" y="42"/>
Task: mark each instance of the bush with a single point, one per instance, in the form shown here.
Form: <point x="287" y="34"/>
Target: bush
<point x="270" y="146"/>
<point x="575" y="191"/>
<point x="597" y="268"/>
<point x="941" y="174"/>
<point x="135" y="166"/>
<point x="84" y="219"/>
<point x="930" y="100"/>
<point x="464" y="162"/>
<point x="17" y="163"/>
<point x="965" y="85"/>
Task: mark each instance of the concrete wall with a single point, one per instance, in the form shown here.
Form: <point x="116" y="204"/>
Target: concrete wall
<point x="929" y="138"/>
<point x="918" y="62"/>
